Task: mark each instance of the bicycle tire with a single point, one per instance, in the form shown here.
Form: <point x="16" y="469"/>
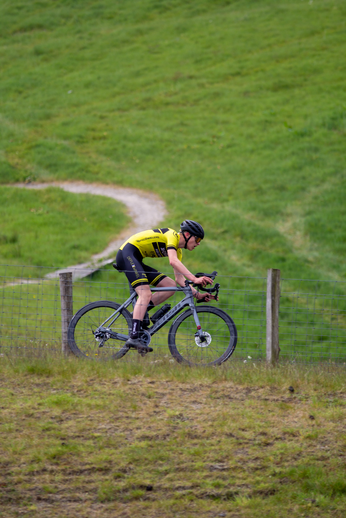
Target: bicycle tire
<point x="221" y="333"/>
<point x="80" y="335"/>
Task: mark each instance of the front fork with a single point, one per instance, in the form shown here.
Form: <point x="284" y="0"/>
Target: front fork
<point x="199" y="333"/>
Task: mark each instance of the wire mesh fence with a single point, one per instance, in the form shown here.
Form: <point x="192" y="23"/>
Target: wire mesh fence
<point x="312" y="313"/>
<point x="313" y="320"/>
<point x="30" y="315"/>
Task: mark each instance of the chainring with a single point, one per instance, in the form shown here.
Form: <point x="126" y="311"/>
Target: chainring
<point x="145" y="337"/>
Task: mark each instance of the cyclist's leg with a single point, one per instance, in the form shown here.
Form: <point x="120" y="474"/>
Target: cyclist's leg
<point x="159" y="297"/>
<point x="140" y="276"/>
<point x="144" y="296"/>
<point x="129" y="261"/>
<point x="160" y="280"/>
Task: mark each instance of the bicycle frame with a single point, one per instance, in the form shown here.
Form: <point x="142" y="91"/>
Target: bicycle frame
<point x="187" y="301"/>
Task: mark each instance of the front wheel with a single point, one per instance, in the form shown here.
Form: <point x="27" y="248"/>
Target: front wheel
<point x="92" y="335"/>
<point x="219" y="337"/>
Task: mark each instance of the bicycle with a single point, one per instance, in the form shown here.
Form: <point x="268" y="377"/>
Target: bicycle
<point x="202" y="335"/>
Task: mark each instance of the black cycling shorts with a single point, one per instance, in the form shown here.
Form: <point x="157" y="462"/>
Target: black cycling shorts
<point x="130" y="261"/>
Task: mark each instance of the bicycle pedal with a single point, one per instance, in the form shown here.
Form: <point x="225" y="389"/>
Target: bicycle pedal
<point x="160" y="312"/>
<point x="143" y="352"/>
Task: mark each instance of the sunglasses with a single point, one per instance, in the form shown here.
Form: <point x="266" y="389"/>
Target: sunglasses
<point x="198" y="239"/>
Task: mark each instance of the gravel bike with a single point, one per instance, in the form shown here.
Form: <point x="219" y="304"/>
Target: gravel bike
<point x="203" y="335"/>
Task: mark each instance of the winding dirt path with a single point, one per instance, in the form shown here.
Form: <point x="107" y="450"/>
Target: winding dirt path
<point x="145" y="209"/>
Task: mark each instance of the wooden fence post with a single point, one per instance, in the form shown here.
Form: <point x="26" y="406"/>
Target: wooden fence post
<point x="273" y="303"/>
<point x="66" y="293"/>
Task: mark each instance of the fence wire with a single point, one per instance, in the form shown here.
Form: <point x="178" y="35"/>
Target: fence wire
<point x="313" y="320"/>
<point x="312" y="313"/>
<point x="30" y="318"/>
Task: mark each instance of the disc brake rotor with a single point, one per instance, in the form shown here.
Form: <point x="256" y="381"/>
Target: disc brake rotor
<point x="101" y="336"/>
<point x="205" y="342"/>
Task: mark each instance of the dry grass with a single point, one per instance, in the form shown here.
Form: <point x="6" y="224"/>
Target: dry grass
<point x="87" y="440"/>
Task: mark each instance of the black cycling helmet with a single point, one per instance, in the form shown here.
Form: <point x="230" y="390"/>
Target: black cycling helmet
<point x="194" y="228"/>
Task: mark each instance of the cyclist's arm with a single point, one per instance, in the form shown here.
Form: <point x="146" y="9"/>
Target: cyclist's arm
<point x="181" y="272"/>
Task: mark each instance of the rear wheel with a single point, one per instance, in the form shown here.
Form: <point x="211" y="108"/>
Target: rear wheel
<point x="89" y="335"/>
<point x="219" y="337"/>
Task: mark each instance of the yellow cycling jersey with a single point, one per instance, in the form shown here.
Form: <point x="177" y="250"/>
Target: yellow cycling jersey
<point x="156" y="242"/>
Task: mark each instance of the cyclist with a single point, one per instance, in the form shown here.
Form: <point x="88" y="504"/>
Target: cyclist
<point x="159" y="242"/>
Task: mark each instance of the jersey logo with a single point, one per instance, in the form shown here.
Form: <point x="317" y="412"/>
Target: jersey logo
<point x="129" y="258"/>
<point x="160" y="249"/>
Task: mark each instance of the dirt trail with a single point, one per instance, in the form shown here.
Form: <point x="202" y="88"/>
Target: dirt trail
<point x="145" y="209"/>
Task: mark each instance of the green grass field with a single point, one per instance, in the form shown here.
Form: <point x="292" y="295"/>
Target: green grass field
<point x="234" y="112"/>
<point x="39" y="226"/>
<point x="79" y="439"/>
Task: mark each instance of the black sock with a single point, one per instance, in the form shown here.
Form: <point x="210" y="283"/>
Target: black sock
<point x="151" y="305"/>
<point x="136" y="326"/>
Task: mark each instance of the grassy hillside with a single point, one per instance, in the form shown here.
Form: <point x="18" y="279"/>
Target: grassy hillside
<point x="233" y="111"/>
<point x="37" y="226"/>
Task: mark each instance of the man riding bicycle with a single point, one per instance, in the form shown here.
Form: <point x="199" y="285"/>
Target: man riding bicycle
<point x="159" y="242"/>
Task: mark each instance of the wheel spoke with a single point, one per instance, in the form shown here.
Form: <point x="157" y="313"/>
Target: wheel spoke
<point x="219" y="331"/>
<point x="87" y="322"/>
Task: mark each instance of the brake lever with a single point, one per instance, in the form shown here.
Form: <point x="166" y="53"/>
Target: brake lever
<point x="216" y="289"/>
<point x="207" y="290"/>
<point x="210" y="275"/>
